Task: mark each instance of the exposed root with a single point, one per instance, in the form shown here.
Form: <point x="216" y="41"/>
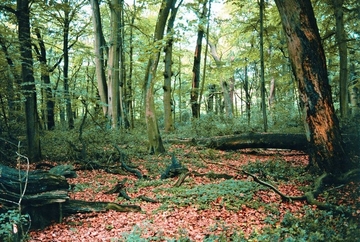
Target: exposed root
<point x="310" y="196"/>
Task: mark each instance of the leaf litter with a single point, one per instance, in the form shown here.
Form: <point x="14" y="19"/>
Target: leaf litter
<point x="182" y="212"/>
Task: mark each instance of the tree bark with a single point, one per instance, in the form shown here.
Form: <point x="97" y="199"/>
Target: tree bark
<point x="100" y="51"/>
<point x="309" y="67"/>
<point x="114" y="65"/>
<point x="340" y="36"/>
<point x="194" y="94"/>
<point x="29" y="89"/>
<point x="262" y="68"/>
<point x="155" y="142"/>
<point x="49" y="114"/>
<point x="168" y="120"/>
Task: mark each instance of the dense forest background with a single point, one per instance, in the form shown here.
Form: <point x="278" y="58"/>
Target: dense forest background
<point x="218" y="65"/>
<point x="115" y="89"/>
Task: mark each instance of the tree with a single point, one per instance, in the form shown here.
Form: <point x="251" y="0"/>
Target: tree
<point x="100" y="50"/>
<point x="49" y="114"/>
<point x="342" y="46"/>
<point x="194" y="95"/>
<point x="168" y="103"/>
<point x="309" y="66"/>
<point x="67" y="19"/>
<point x="28" y="81"/>
<point x="262" y="68"/>
<point x="114" y="65"/>
<point x="155" y="142"/>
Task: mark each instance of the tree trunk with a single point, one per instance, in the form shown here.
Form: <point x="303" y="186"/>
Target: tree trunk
<point x="262" y="68"/>
<point x="155" y="143"/>
<point x="258" y="140"/>
<point x="169" y="124"/>
<point x="247" y="95"/>
<point x="114" y="65"/>
<point x="29" y="89"/>
<point x="340" y="36"/>
<point x="195" y="83"/>
<point x="309" y="67"/>
<point x="99" y="46"/>
<point x="49" y="114"/>
<point x="68" y="109"/>
<point x="14" y="80"/>
<point x="227" y="99"/>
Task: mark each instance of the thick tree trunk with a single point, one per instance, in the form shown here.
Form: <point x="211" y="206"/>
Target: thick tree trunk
<point x="32" y="123"/>
<point x="155" y="143"/>
<point x="309" y="66"/>
<point x="259" y="140"/>
<point x="99" y="46"/>
<point x="114" y="65"/>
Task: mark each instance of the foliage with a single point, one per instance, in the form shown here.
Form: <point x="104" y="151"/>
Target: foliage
<point x="315" y="225"/>
<point x="278" y="169"/>
<point x="232" y="194"/>
<point x="7" y="221"/>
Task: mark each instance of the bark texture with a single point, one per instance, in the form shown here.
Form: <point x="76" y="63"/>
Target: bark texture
<point x="29" y="89"/>
<point x="309" y="66"/>
<point x="99" y="46"/>
<point x="155" y="142"/>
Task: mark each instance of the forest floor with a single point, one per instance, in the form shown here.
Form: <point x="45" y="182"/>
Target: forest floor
<point x="209" y="209"/>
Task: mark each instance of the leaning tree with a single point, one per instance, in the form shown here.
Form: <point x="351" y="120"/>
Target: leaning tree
<point x="309" y="66"/>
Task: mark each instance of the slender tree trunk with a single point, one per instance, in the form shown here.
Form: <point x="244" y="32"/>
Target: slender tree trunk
<point x="45" y="76"/>
<point x="228" y="104"/>
<point x="168" y="104"/>
<point x="247" y="95"/>
<point x="194" y="94"/>
<point x="340" y="36"/>
<point x="122" y="81"/>
<point x="29" y="89"/>
<point x="68" y="109"/>
<point x="129" y="83"/>
<point x="262" y="68"/>
<point x="227" y="99"/>
<point x="309" y="65"/>
<point x="205" y="57"/>
<point x="354" y="89"/>
<point x="14" y="80"/>
<point x="99" y="49"/>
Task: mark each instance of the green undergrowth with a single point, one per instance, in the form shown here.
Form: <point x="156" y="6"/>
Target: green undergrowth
<point x="234" y="194"/>
<point x="313" y="226"/>
<point x="278" y="170"/>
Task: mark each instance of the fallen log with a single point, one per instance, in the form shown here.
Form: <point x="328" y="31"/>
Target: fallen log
<point x="265" y="140"/>
<point x="44" y="197"/>
<point x="259" y="140"/>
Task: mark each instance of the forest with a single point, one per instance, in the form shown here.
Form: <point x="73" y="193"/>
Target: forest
<point x="175" y="120"/>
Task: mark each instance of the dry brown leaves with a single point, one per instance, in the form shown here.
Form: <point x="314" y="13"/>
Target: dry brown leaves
<point x="175" y="222"/>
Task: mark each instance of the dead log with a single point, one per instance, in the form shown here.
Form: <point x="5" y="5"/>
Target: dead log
<point x="41" y="187"/>
<point x="257" y="140"/>
<point x="44" y="197"/>
<point x="265" y="140"/>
